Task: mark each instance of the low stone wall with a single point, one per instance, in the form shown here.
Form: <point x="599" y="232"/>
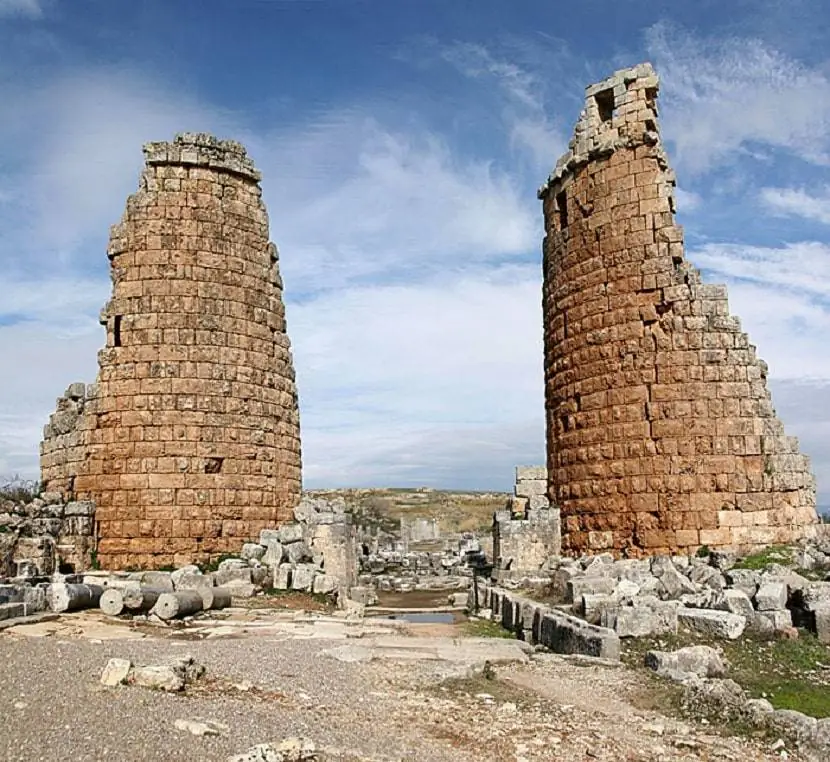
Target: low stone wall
<point x="538" y="623"/>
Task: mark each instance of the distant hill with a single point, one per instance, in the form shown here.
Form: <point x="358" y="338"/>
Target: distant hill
<point x="384" y="506"/>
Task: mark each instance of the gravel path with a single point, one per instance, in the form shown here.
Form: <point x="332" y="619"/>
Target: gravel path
<point x="54" y="707"/>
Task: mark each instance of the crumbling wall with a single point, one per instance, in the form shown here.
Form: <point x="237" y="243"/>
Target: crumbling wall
<point x="661" y="432"/>
<point x="191" y="446"/>
<point x="45" y="535"/>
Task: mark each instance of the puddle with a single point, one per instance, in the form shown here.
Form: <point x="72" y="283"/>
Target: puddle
<point x="424" y="617"/>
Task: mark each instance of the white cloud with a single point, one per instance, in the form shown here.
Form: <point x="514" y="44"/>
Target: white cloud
<point x="796" y="202"/>
<point x="394" y="378"/>
<point x="354" y="203"/>
<point x="525" y="114"/>
<point x="723" y="95"/>
<point x="29" y="8"/>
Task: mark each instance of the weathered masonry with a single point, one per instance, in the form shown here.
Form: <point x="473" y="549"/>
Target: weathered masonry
<point x="660" y="429"/>
<point x="189" y="442"/>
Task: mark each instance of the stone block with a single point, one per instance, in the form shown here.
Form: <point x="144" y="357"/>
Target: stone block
<point x="251" y="550"/>
<point x="297" y="552"/>
<point x="303" y="577"/>
<point x="779" y="620"/>
<point x="531" y="473"/>
<point x="579" y="586"/>
<point x="12" y="610"/>
<point x="643" y="619"/>
<point x="530" y="488"/>
<point x="822" y="622"/>
<point x="771" y="596"/>
<point x="274" y="553"/>
<point x="719" y="624"/>
<point x="116" y="672"/>
<point x="290" y="533"/>
<point x="324" y="584"/>
<point x="230" y="576"/>
<point x="736" y="602"/>
<point x="282" y="577"/>
<point x="745" y="580"/>
<point x="702" y="661"/>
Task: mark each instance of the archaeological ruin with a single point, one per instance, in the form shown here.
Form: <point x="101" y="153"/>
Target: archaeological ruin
<point x="188" y="444"/>
<point x="661" y="432"/>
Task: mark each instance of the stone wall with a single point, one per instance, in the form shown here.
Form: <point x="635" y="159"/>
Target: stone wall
<point x="189" y="443"/>
<point x="661" y="432"/>
<point x="45" y="535"/>
<point x="527" y="534"/>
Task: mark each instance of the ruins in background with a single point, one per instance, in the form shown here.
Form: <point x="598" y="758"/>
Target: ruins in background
<point x="660" y="429"/>
<point x="189" y="442"/>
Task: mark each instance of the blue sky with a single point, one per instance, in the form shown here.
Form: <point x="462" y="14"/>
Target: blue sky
<point x="402" y="143"/>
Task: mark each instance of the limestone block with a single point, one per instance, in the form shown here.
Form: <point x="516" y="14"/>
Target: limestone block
<point x="297" y="552"/>
<point x="231" y="575"/>
<point x="822" y="621"/>
<point x="183" y="571"/>
<point x="645" y="618"/>
<point x="702" y="661"/>
<point x="745" y="580"/>
<point x="531" y="473"/>
<point x="736" y="602"/>
<point x="579" y="586"/>
<point x="719" y="624"/>
<point x="707" y="576"/>
<point x="194" y="581"/>
<point x="290" y="533"/>
<point x="252" y="550"/>
<point x="282" y="576"/>
<point x="116" y="672"/>
<point x="12" y="610"/>
<point x="157" y="677"/>
<point x="303" y="577"/>
<point x="771" y="596"/>
<point x="529" y="488"/>
<point x="157" y="580"/>
<point x="239" y="589"/>
<point x="274" y="553"/>
<point x="779" y="620"/>
<point x="324" y="584"/>
<point x="591" y="606"/>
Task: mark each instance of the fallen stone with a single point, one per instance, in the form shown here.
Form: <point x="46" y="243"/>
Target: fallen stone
<point x="702" y="661"/>
<point x="303" y="578"/>
<point x="252" y="550"/>
<point x="241" y="589"/>
<point x="648" y="616"/>
<point x="821" y="613"/>
<point x="232" y="575"/>
<point x="282" y="577"/>
<point x="745" y="580"/>
<point x="771" y="596"/>
<point x="707" y="576"/>
<point x="579" y="586"/>
<point x="181" y="603"/>
<point x="116" y="672"/>
<point x="289" y="533"/>
<point x="163" y="678"/>
<point x="324" y="584"/>
<point x="673" y="583"/>
<point x="288" y="750"/>
<point x="199" y="728"/>
<point x="184" y="571"/>
<point x="274" y="553"/>
<point x="719" y="624"/>
<point x="736" y="602"/>
<point x="794" y="724"/>
<point x="72" y="597"/>
<point x="297" y="552"/>
<point x="779" y="620"/>
<point x="157" y="580"/>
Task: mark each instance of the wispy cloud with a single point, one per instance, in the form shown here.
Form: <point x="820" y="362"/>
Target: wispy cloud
<point x="525" y="111"/>
<point x="724" y="96"/>
<point x="26" y="8"/>
<point x="797" y="202"/>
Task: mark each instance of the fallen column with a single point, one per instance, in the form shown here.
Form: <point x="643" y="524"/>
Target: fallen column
<point x="72" y="597"/>
<point x="112" y="602"/>
<point x="181" y="603"/>
<point x="213" y="597"/>
<point x="138" y="599"/>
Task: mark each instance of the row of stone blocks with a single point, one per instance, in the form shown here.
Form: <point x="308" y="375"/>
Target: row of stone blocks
<point x="542" y="625"/>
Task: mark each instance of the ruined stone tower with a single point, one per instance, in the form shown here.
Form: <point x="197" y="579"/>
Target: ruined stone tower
<point x="189" y="442"/>
<point x="660" y="429"/>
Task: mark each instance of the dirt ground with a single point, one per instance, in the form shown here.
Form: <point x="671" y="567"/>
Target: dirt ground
<point x="371" y="691"/>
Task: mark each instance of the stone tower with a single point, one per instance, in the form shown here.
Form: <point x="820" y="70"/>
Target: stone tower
<point x="189" y="442"/>
<point x="661" y="433"/>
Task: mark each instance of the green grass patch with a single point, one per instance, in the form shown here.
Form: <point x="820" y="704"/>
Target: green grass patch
<point x="775" y="554"/>
<point x="482" y="628"/>
<point x="790" y="674"/>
